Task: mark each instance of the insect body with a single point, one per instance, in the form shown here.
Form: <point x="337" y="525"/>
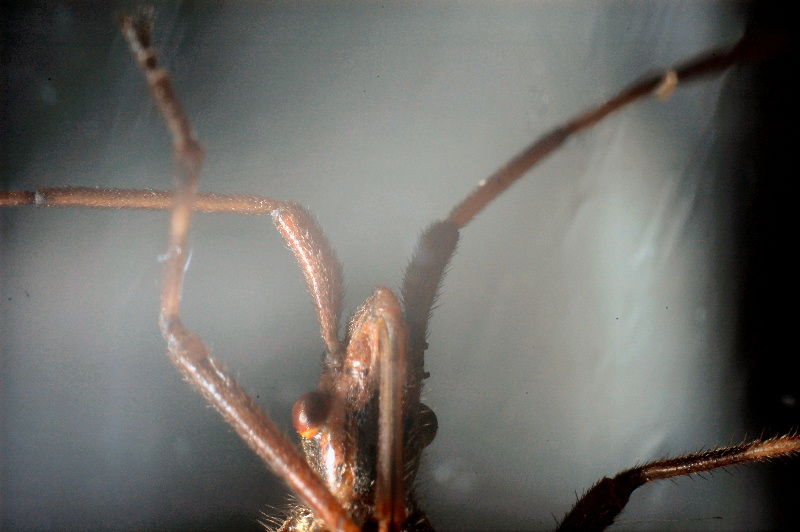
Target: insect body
<point x="447" y="468"/>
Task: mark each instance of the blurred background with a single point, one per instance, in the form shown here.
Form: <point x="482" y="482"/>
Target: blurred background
<point x="620" y="304"/>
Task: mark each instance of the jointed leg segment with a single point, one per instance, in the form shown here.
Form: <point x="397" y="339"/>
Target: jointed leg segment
<point x="596" y="510"/>
<point x="186" y="349"/>
<point x="599" y="506"/>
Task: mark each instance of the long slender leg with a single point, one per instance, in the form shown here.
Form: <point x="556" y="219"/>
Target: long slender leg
<point x="599" y="506"/>
<point x="750" y="47"/>
<point x="437" y="244"/>
<point x="435" y="247"/>
<point x="421" y="283"/>
<point x="100" y="198"/>
<point x="186" y="349"/>
<point x="419" y="292"/>
<point x="390" y="492"/>
<point x="321" y="269"/>
<point x="708" y="63"/>
<point x="315" y="255"/>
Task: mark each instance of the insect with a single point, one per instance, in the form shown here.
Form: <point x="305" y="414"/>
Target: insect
<point x="466" y="475"/>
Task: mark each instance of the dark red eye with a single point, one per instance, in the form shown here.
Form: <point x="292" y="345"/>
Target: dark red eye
<point x="309" y="413"/>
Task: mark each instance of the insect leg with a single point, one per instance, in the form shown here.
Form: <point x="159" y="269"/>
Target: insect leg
<point x="599" y="506"/>
<point x="186" y="349"/>
<point x="750" y="47"/>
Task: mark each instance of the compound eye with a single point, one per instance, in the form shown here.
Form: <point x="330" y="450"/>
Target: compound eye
<point x="428" y="425"/>
<point x="310" y="413"/>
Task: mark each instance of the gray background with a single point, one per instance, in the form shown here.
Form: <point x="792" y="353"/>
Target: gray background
<point x="591" y="319"/>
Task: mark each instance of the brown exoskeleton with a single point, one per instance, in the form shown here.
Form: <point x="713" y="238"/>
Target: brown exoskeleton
<point x="460" y="479"/>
